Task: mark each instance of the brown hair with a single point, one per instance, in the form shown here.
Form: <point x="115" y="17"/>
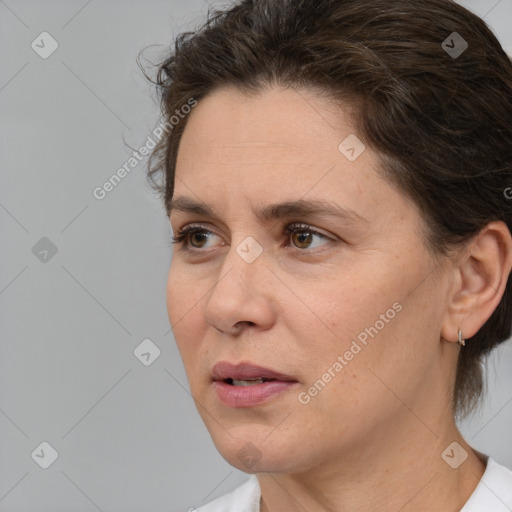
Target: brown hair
<point x="441" y="122"/>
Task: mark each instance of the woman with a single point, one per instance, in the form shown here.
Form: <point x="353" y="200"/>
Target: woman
<point x="337" y="175"/>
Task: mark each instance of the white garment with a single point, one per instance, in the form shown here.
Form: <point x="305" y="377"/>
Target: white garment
<point x="492" y="494"/>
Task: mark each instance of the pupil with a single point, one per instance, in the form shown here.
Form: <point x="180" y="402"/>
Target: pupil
<point x="196" y="235"/>
<point x="304" y="237"/>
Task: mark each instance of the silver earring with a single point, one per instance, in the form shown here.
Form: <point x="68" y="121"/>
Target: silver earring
<point x="460" y="341"/>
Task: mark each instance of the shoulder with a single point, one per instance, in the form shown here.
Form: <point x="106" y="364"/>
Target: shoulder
<point x="245" y="498"/>
<point x="493" y="492"/>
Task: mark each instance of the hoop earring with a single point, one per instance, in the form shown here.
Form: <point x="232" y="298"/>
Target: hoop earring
<point x="461" y="341"/>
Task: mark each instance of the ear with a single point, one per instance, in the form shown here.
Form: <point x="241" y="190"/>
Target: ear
<point x="482" y="274"/>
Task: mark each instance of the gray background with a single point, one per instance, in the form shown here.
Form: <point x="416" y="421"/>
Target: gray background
<point x="128" y="435"/>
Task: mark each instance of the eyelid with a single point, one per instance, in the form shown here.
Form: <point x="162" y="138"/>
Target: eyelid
<point x="302" y="226"/>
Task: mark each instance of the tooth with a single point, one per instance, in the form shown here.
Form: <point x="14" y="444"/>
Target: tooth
<point x="247" y="382"/>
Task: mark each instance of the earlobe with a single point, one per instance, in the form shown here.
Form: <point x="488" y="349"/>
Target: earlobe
<point x="482" y="278"/>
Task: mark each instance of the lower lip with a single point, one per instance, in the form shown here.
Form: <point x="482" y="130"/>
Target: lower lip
<point x="249" y="396"/>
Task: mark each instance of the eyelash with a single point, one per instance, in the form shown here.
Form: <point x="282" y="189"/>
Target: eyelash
<point x="191" y="229"/>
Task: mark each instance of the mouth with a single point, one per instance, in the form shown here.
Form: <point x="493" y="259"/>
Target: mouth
<point x="246" y="374"/>
<point x="247" y="384"/>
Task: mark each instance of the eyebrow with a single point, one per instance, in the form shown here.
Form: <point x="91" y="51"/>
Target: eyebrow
<point x="270" y="212"/>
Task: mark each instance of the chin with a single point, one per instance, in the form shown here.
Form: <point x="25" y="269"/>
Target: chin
<point x="246" y="453"/>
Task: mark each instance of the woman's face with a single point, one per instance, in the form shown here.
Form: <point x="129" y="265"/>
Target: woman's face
<point x="347" y="309"/>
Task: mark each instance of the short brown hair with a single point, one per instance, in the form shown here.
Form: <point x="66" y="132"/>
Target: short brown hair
<point x="441" y="122"/>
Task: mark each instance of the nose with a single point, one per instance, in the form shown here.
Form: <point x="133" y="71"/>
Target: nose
<point x="242" y="295"/>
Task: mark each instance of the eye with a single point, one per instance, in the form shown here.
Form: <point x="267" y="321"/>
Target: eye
<point x="303" y="234"/>
<point x="196" y="236"/>
<point x="195" y="233"/>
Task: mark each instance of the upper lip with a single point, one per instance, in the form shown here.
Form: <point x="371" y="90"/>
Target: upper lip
<point x="246" y="370"/>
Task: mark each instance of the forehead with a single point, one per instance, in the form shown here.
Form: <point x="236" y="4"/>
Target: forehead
<point x="276" y="146"/>
<point x="277" y="121"/>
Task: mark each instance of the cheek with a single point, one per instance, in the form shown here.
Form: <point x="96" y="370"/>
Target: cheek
<point x="174" y="306"/>
<point x="381" y="374"/>
<point x="350" y="397"/>
<point x="181" y="294"/>
<point x="361" y="329"/>
<point x="183" y="303"/>
<point x="349" y="312"/>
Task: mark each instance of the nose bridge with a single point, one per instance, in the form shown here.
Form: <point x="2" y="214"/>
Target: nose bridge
<point x="241" y="264"/>
<point x="241" y="281"/>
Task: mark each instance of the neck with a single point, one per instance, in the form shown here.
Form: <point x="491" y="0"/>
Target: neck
<point x="402" y="468"/>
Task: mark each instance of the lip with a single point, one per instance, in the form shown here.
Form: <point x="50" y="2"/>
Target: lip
<point x="253" y="395"/>
<point x="246" y="370"/>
